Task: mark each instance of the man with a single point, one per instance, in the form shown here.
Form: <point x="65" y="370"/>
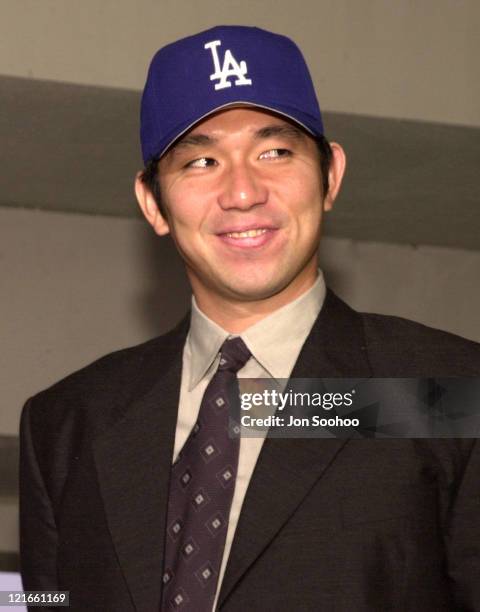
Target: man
<point x="133" y="496"/>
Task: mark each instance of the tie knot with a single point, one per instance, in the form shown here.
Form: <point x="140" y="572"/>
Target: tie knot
<point x="234" y="354"/>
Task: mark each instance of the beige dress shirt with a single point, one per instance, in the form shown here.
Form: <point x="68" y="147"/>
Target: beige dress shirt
<point x="275" y="343"/>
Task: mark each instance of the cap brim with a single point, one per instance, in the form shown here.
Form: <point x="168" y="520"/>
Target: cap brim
<point x="183" y="129"/>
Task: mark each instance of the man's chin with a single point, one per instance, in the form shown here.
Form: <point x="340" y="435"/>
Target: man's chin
<point x="254" y="291"/>
<point x="254" y="285"/>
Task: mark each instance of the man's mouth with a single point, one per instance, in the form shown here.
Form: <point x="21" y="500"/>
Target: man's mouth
<point x="247" y="234"/>
<point x="252" y="238"/>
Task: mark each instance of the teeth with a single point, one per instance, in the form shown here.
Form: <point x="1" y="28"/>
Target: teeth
<point x="249" y="234"/>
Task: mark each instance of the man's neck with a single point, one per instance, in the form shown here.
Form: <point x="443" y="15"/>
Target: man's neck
<point x="235" y="316"/>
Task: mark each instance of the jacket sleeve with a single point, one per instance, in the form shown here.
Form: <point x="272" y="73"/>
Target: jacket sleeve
<point x="463" y="536"/>
<point x="38" y="533"/>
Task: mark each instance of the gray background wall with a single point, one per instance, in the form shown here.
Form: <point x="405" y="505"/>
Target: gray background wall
<point x="81" y="273"/>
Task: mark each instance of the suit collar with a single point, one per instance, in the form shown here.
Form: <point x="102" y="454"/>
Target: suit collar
<point x="336" y="345"/>
<point x="288" y="468"/>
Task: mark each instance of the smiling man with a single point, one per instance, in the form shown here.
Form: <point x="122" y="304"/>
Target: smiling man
<point x="250" y="242"/>
<point x="134" y="493"/>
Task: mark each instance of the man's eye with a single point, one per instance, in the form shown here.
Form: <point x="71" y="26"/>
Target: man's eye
<point x="201" y="162"/>
<point x="275" y="153"/>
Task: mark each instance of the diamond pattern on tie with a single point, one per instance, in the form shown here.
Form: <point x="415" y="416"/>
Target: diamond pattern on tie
<point x="201" y="491"/>
<point x="225" y="476"/>
<point x="204" y="574"/>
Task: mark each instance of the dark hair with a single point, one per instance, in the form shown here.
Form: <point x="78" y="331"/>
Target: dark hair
<point x="149" y="175"/>
<point x="325" y="154"/>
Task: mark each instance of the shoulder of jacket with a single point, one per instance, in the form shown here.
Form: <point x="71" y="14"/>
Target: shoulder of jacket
<point x="419" y="348"/>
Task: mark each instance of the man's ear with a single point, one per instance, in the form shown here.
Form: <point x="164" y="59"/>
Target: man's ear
<point x="149" y="207"/>
<point x="335" y="175"/>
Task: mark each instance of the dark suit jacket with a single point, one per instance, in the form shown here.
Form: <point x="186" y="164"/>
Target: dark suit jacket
<point x="330" y="524"/>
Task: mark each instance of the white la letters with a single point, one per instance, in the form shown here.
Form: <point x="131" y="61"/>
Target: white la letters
<point x="230" y="68"/>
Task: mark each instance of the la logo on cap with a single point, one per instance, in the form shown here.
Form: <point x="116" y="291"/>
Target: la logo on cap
<point x="230" y="68"/>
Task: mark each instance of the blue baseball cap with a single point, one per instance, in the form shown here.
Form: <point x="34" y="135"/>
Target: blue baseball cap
<point x="192" y="78"/>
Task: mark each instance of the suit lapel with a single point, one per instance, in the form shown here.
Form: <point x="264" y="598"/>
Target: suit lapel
<point x="288" y="468"/>
<point x="133" y="462"/>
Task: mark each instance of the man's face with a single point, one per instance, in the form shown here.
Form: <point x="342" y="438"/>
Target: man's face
<point x="243" y="197"/>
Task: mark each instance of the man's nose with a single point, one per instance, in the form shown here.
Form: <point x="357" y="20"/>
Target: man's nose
<point x="242" y="188"/>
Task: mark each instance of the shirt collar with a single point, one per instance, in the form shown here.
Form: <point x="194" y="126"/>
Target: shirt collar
<point x="275" y="350"/>
<point x="203" y="343"/>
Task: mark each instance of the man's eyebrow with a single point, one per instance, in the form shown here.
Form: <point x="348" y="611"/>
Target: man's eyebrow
<point x="287" y="131"/>
<point x="193" y="140"/>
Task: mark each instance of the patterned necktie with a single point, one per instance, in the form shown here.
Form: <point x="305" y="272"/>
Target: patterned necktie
<point x="201" y="491"/>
